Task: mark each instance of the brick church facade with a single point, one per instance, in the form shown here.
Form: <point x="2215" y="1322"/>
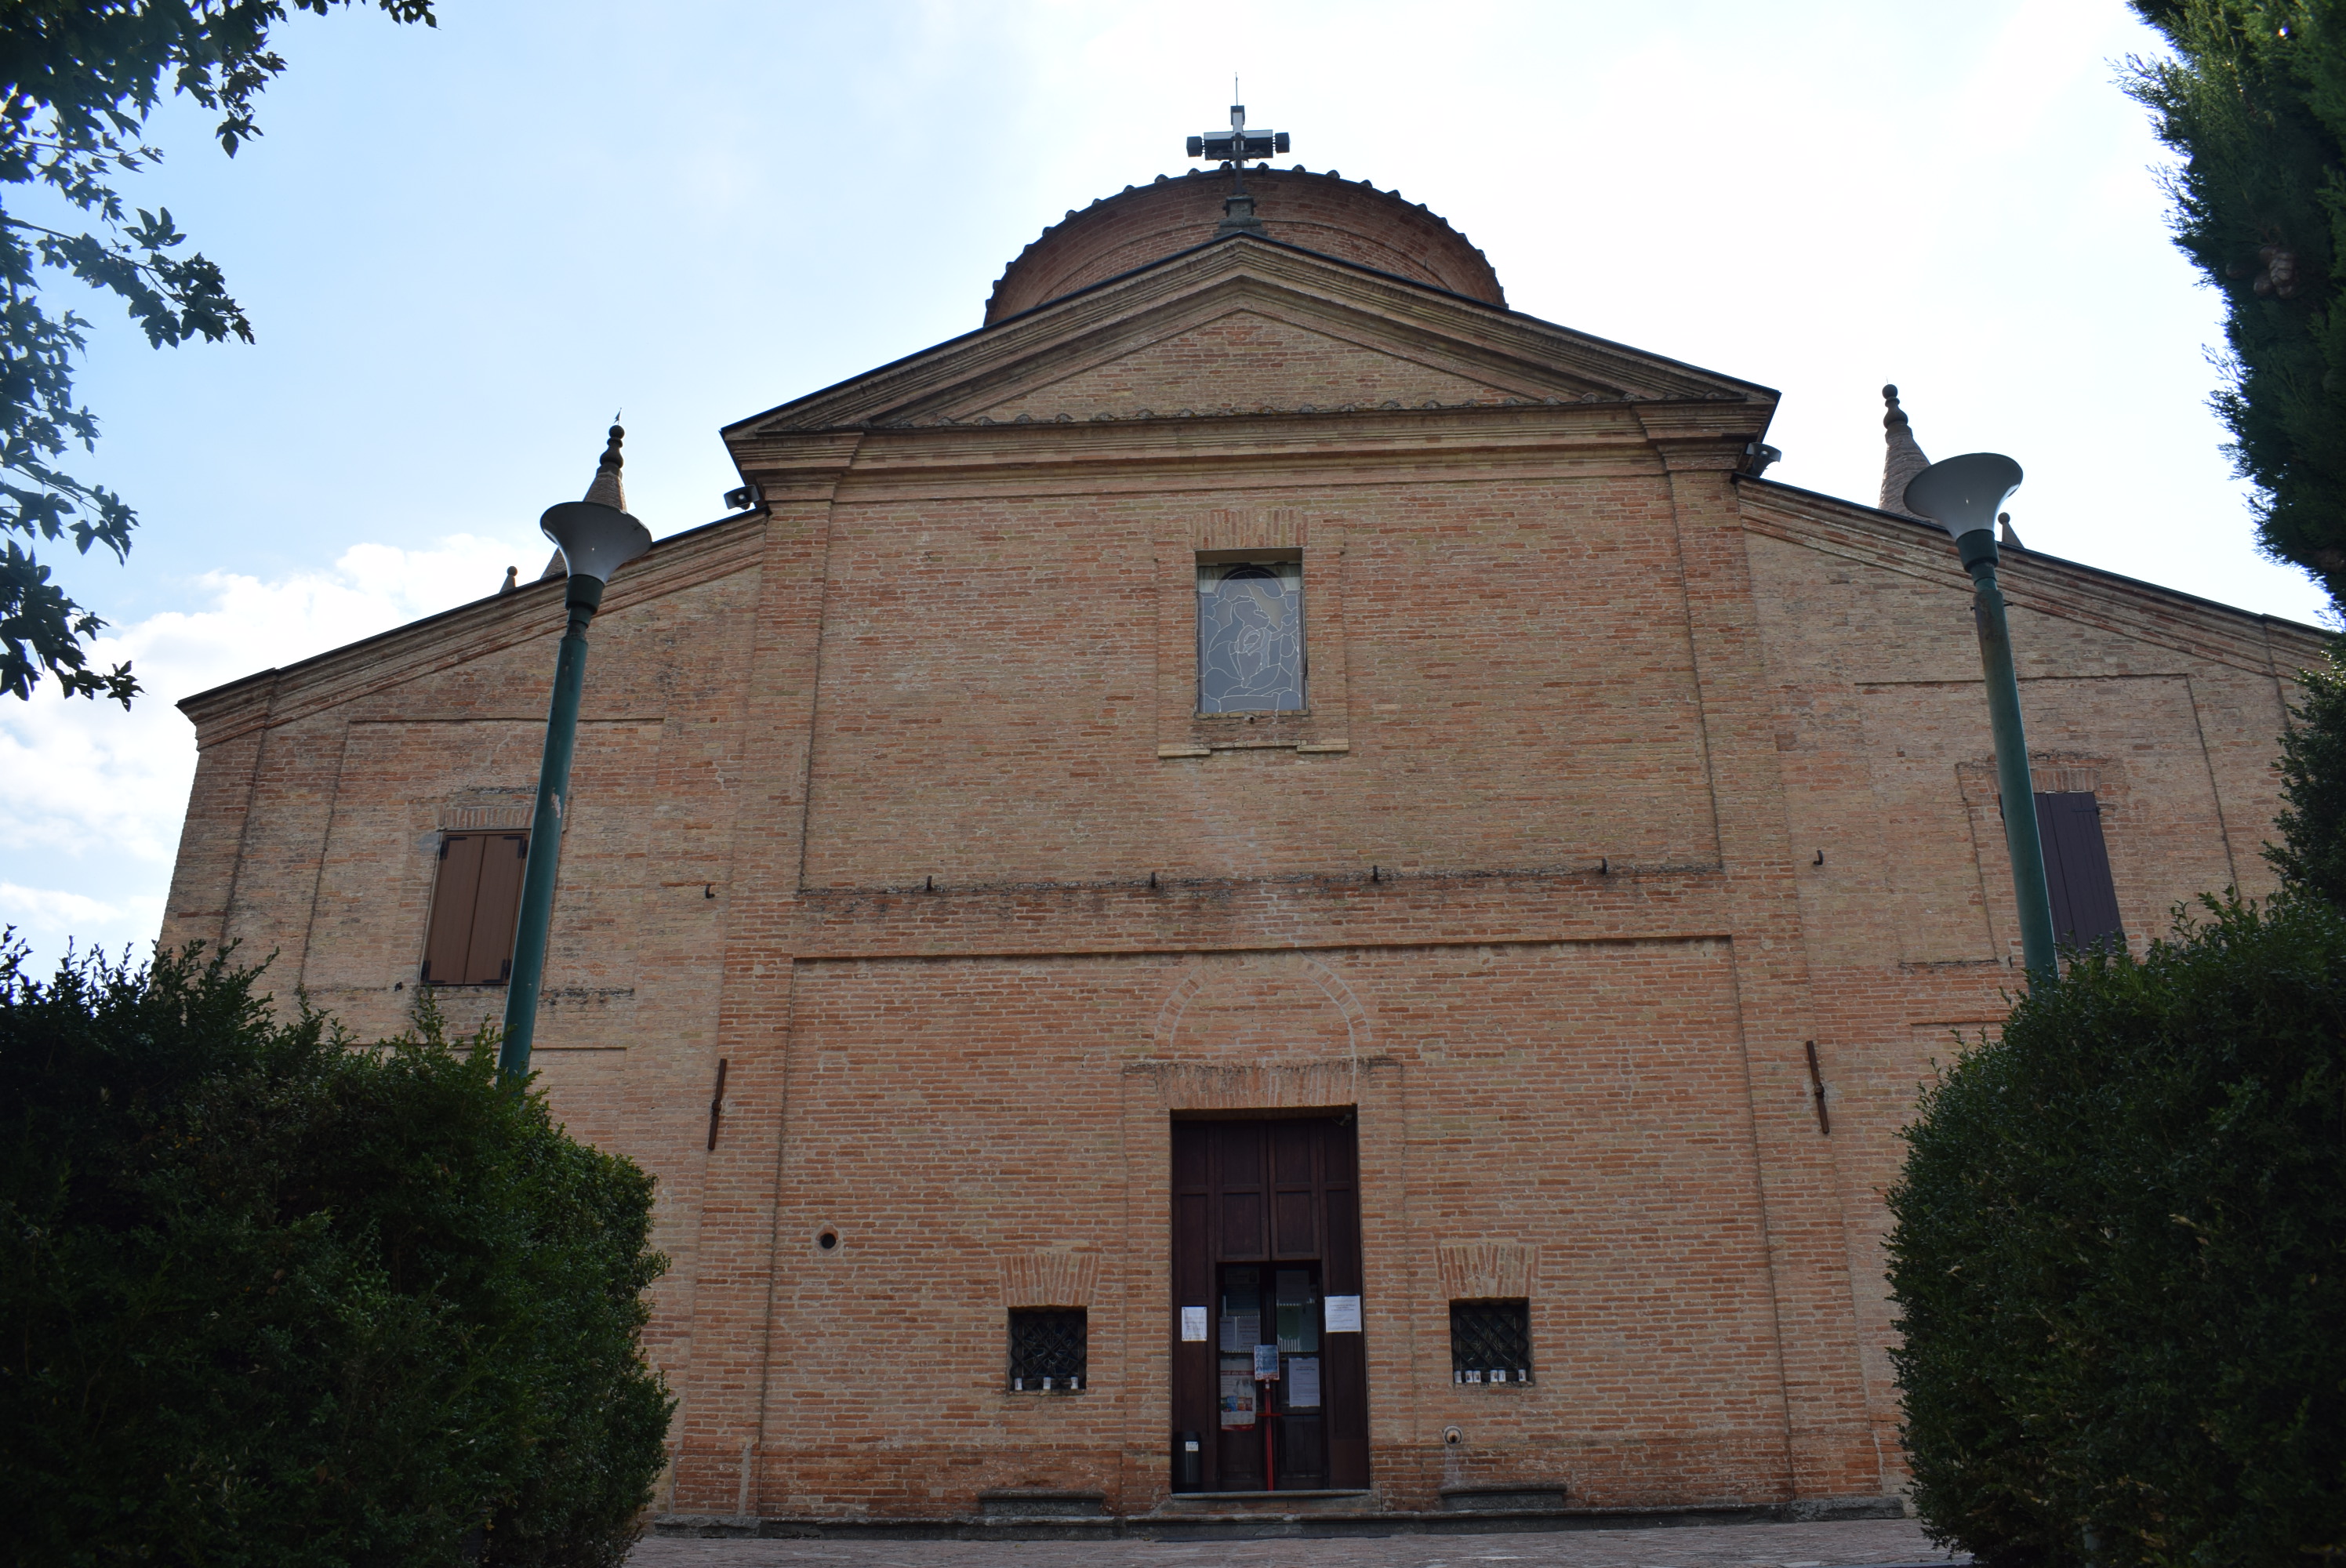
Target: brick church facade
<point x="1260" y="809"/>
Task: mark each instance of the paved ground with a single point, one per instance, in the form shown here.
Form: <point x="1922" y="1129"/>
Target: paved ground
<point x="1839" y="1545"/>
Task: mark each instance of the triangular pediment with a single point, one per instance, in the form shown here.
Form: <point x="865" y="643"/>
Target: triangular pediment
<point x="1245" y="326"/>
<point x="1246" y="359"/>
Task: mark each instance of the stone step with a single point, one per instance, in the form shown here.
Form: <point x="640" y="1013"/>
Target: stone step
<point x="1040" y="1503"/>
<point x="1529" y="1497"/>
<point x="1248" y="1515"/>
<point x="1274" y="1504"/>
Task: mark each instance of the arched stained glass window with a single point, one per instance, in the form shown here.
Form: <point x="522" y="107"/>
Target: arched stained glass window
<point x="1251" y="636"/>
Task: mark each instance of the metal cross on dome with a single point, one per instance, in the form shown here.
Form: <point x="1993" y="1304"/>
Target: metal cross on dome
<point x="1238" y="143"/>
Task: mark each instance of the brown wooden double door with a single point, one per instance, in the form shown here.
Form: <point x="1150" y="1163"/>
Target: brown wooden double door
<point x="1265" y="1230"/>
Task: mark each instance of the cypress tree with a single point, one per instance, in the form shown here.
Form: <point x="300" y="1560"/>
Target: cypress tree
<point x="2311" y="854"/>
<point x="2255" y="102"/>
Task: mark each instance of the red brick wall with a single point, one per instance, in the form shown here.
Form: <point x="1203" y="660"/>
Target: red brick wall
<point x="1351" y="220"/>
<point x="1585" y="1099"/>
<point x="2165" y="708"/>
<point x="1624" y="781"/>
<point x="987" y="715"/>
<point x="1245" y="360"/>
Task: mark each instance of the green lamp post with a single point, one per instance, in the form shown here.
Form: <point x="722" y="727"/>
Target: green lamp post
<point x="596" y="538"/>
<point x="1964" y="495"/>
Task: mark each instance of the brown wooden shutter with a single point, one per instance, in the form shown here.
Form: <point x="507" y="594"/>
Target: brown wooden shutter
<point x="489" y="958"/>
<point x="474" y="906"/>
<point x="2077" y="869"/>
<point x="448" y="943"/>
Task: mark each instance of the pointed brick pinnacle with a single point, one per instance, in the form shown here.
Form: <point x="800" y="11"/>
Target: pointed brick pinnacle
<point x="606" y="487"/>
<point x="1902" y="460"/>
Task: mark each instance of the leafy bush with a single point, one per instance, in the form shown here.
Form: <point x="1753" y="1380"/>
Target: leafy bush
<point x="270" y="1298"/>
<point x="2120" y="1256"/>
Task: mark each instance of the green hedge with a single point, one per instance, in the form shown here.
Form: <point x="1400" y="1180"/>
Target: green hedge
<point x="2120" y="1256"/>
<point x="267" y="1297"/>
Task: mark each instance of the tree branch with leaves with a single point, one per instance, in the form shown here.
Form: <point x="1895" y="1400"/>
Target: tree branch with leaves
<point x="81" y="78"/>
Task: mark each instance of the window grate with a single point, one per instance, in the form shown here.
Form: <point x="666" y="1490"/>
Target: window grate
<point x="1490" y="1341"/>
<point x="1047" y="1350"/>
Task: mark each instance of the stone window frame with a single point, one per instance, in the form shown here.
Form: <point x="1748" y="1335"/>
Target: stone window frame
<point x="1274" y="562"/>
<point x="2101" y="775"/>
<point x="496" y="881"/>
<point x="477" y="809"/>
<point x="1276" y="534"/>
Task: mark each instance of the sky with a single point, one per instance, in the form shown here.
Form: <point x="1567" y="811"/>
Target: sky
<point x="463" y="249"/>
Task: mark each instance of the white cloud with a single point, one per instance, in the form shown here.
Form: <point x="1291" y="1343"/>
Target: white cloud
<point x="48" y="910"/>
<point x="90" y="822"/>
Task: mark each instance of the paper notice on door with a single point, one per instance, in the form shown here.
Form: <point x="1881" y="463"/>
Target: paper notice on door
<point x="1266" y="1363"/>
<point x="1193" y="1325"/>
<point x="1241" y="1330"/>
<point x="1343" y="1314"/>
<point x="1238" y="1400"/>
<point x="1303" y="1382"/>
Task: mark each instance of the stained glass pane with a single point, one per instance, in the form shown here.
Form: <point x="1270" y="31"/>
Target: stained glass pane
<point x="1251" y="637"/>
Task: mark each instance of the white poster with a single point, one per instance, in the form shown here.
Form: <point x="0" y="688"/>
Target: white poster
<point x="1343" y="1314"/>
<point x="1240" y="1332"/>
<point x="1193" y="1325"/>
<point x="1303" y="1382"/>
<point x="1238" y="1400"/>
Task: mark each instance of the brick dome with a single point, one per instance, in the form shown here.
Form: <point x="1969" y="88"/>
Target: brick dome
<point x="1351" y="220"/>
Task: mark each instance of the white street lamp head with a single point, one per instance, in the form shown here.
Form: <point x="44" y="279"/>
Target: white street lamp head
<point x="595" y="535"/>
<point x="1963" y="493"/>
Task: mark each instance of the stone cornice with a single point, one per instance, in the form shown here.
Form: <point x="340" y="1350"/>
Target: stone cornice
<point x="358" y="670"/>
<point x="1277" y="450"/>
<point x="2045" y="585"/>
<point x="1698" y="435"/>
<point x="806" y="468"/>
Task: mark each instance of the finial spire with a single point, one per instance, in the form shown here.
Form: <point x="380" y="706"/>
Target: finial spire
<point x="1902" y="460"/>
<point x="1236" y="146"/>
<point x="606" y="487"/>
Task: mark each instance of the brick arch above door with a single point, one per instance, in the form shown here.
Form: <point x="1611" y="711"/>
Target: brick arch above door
<point x="1262" y="1006"/>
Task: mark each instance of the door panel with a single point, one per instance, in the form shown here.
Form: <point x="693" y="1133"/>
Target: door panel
<point x="1190" y="1164"/>
<point x="1193" y="1285"/>
<point x="1260" y="1255"/>
<point x="1294" y="1233"/>
<point x="1242" y="1225"/>
<point x="1292" y="1145"/>
<point x="1238" y="1162"/>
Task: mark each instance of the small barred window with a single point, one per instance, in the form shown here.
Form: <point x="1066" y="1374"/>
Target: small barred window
<point x="1047" y="1347"/>
<point x="1490" y="1341"/>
